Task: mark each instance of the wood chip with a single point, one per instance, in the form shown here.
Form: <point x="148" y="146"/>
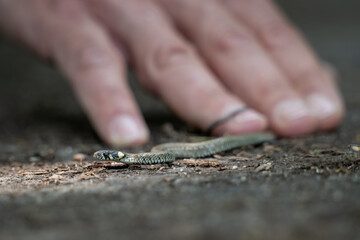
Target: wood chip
<point x="203" y="163"/>
<point x="190" y="161"/>
<point x="55" y="177"/>
<point x="271" y="148"/>
<point x="33" y="172"/>
<point x="87" y="176"/>
<point x="342" y="170"/>
<point x="108" y="164"/>
<point x="259" y="156"/>
<point x="355" y="148"/>
<point x="233" y="158"/>
<point x="264" y="167"/>
<point x="79" y="157"/>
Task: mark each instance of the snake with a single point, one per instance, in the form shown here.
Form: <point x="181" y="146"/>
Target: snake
<point x="169" y="152"/>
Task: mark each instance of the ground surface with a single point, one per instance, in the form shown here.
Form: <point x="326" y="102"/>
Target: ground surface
<point x="290" y="188"/>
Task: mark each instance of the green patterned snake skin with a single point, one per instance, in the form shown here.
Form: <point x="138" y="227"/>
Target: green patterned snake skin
<point x="169" y="152"/>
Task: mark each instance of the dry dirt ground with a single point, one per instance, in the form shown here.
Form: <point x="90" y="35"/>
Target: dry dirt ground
<point x="301" y="188"/>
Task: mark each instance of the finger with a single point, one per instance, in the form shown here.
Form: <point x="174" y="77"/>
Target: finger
<point x="294" y="56"/>
<point x="25" y="27"/>
<point x="168" y="65"/>
<point x="239" y="59"/>
<point x="96" y="71"/>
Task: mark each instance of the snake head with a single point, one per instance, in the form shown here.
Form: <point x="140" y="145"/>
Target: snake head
<point x="109" y="155"/>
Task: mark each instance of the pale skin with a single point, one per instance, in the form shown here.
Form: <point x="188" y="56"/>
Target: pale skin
<point x="204" y="58"/>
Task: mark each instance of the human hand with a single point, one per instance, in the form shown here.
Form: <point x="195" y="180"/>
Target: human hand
<point x="205" y="59"/>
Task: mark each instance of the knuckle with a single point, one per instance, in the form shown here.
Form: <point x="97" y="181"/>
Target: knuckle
<point x="91" y="57"/>
<point x="267" y="90"/>
<point x="229" y="39"/>
<point x="172" y="55"/>
<point x="277" y="34"/>
<point x="165" y="61"/>
<point x="310" y="79"/>
<point x="306" y="74"/>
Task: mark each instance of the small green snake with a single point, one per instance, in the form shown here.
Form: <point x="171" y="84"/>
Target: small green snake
<point x="169" y="152"/>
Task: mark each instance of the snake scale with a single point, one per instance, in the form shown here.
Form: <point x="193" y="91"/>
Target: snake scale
<point x="169" y="152"/>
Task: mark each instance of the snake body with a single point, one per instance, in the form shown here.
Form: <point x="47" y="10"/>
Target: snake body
<point x="169" y="152"/>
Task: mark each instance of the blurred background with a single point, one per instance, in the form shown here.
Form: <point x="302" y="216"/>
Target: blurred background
<point x="30" y="85"/>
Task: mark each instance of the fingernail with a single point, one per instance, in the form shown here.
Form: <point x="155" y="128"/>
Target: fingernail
<point x="124" y="130"/>
<point x="321" y="105"/>
<point x="250" y="121"/>
<point x="289" y="111"/>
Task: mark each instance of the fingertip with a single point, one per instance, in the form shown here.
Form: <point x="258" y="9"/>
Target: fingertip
<point x="245" y="122"/>
<point x="328" y="110"/>
<point x="292" y="117"/>
<point x="331" y="122"/>
<point x="125" y="130"/>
